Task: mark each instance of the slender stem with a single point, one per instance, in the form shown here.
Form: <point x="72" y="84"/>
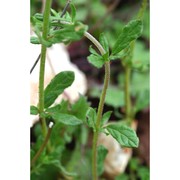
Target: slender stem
<point x="42" y="64"/>
<point x="142" y="9"/>
<point x="100" y="107"/>
<point x="94" y="156"/>
<point x="95" y="42"/>
<point x="43" y="145"/>
<point x="127" y="93"/>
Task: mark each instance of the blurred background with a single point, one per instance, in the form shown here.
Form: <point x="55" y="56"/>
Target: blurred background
<point x="109" y="16"/>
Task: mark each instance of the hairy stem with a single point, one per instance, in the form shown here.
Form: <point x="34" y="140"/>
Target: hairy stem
<point x="42" y="64"/>
<point x="127" y="94"/>
<point x="100" y="107"/>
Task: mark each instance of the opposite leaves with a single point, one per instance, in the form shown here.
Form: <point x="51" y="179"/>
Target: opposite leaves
<point x="96" y="59"/>
<point x="129" y="33"/>
<point x="56" y="87"/>
<point x="124" y="135"/>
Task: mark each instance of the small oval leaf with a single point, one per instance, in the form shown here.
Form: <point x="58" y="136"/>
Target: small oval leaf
<point x="124" y="135"/>
<point x="96" y="61"/>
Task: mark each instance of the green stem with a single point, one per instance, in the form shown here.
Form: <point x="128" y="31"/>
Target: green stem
<point x="100" y="107"/>
<point x="127" y="93"/>
<point x="142" y="9"/>
<point x="42" y="64"/>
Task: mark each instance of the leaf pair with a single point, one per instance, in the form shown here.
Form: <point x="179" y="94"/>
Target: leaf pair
<point x="68" y="33"/>
<point x="92" y="115"/>
<point x="68" y="29"/>
<point x="96" y="59"/>
<point x="129" y="33"/>
<point x="125" y="135"/>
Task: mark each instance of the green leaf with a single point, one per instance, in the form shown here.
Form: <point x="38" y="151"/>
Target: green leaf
<point x="39" y="16"/>
<point x="106" y="117"/>
<point x="56" y="86"/>
<point x="39" y="39"/>
<point x="64" y="107"/>
<point x="73" y="12"/>
<point x="34" y="110"/>
<point x="66" y="119"/>
<point x="80" y="108"/>
<point x="45" y="42"/>
<point x="102" y="152"/>
<point x="93" y="51"/>
<point x="36" y="23"/>
<point x="95" y="60"/>
<point x="115" y="57"/>
<point x="104" y="42"/>
<point x="35" y="40"/>
<point x="68" y="33"/>
<point x="91" y="117"/>
<point x="129" y="33"/>
<point x="120" y="55"/>
<point x="56" y="14"/>
<point x="53" y="109"/>
<point x="124" y="135"/>
<point x="67" y="16"/>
